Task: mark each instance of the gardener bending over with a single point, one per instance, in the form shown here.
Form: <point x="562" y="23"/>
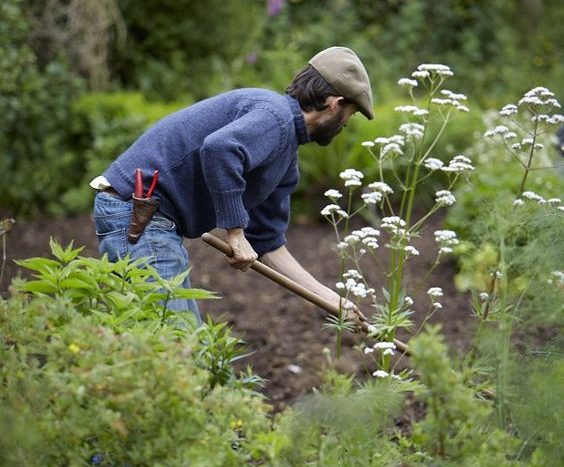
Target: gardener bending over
<point x="229" y="162"/>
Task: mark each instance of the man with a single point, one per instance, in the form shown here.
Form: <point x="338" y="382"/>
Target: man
<point x="230" y="162"/>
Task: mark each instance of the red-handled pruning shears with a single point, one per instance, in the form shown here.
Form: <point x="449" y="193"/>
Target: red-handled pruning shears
<point x="139" y="189"/>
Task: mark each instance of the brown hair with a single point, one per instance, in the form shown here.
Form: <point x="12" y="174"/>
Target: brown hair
<point x="310" y="89"/>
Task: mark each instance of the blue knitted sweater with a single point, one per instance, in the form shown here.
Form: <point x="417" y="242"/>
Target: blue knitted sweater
<point x="228" y="161"/>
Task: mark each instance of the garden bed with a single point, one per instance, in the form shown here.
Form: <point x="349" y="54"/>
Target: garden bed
<point x="285" y="334"/>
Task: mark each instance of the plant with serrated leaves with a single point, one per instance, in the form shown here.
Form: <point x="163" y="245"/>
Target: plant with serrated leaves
<point x="75" y="392"/>
<point x="218" y="351"/>
<point x="130" y="296"/>
<point x="122" y="294"/>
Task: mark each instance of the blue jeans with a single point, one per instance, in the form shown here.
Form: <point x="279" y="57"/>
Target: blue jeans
<point x="160" y="244"/>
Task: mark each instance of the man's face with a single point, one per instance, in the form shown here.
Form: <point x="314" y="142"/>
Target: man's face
<point x="323" y="132"/>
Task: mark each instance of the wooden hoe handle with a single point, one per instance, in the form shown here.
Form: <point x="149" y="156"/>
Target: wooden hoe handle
<point x="291" y="285"/>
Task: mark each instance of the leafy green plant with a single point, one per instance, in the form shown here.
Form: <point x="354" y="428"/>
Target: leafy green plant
<point x="218" y="351"/>
<point x="122" y="295"/>
<point x="456" y="426"/>
<point x="344" y="427"/>
<point x="74" y="392"/>
<point x="95" y="370"/>
<point x="130" y="296"/>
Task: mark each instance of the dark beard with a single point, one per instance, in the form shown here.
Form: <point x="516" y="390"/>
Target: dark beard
<point x="324" y="133"/>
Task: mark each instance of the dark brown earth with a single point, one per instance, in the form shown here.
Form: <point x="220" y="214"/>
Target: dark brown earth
<point x="285" y="333"/>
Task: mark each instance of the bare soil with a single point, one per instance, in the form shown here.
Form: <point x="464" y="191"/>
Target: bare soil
<point x="284" y="333"/>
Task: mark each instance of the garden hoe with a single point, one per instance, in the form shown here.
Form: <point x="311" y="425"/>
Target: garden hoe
<point x="293" y="286"/>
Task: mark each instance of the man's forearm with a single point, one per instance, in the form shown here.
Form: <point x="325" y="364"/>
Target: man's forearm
<point x="282" y="261"/>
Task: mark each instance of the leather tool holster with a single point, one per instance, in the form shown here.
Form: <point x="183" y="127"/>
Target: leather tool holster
<point x="143" y="210"/>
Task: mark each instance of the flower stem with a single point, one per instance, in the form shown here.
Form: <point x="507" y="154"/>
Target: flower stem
<point x="530" y="161"/>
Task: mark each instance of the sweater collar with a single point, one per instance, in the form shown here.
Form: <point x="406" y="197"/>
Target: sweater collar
<point x="299" y="122"/>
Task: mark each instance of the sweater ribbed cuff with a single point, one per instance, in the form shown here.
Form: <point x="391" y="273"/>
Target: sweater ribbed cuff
<point x="229" y="210"/>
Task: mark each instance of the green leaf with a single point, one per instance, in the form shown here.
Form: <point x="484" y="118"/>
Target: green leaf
<point x="56" y="249"/>
<point x="39" y="264"/>
<point x="38" y="287"/>
<point x="196" y="294"/>
<point x="74" y="283"/>
<point x="85" y="277"/>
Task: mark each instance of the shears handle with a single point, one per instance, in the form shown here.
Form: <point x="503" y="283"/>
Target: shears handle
<point x="139" y="189"/>
<point x="138" y="192"/>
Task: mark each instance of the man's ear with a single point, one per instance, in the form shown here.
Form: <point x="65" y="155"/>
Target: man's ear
<point x="334" y="102"/>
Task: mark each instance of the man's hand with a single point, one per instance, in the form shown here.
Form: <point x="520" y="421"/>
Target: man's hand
<point x="353" y="313"/>
<point x="243" y="253"/>
<point x="349" y="309"/>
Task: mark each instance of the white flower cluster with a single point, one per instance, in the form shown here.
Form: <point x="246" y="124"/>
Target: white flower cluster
<point x="385" y="374"/>
<point x="353" y="273"/>
<point x="367" y="237"/>
<point x="333" y="194"/>
<point x="332" y="210"/>
<point x="391" y="149"/>
<point x="411" y="109"/>
<point x="444" y="198"/>
<point x="394" y="225"/>
<point x="536" y="97"/>
<point x="539" y="96"/>
<point x="354" y="284"/>
<point x="379" y="190"/>
<point x="374" y="197"/>
<point x="557" y="277"/>
<point x="433" y="163"/>
<point x="413" y="131"/>
<point x="426" y="70"/>
<point x="527" y="142"/>
<point x="387" y="348"/>
<point x="435" y="293"/>
<point x="391" y="145"/>
<point x="498" y="130"/>
<point x="411" y="83"/>
<point x="555" y="119"/>
<point x="352" y="177"/>
<point x="381" y="187"/>
<point x="459" y="164"/>
<point x="411" y="250"/>
<point x="446" y="239"/>
<point x="532" y="196"/>
<point x="508" y="110"/>
<point x="451" y="99"/>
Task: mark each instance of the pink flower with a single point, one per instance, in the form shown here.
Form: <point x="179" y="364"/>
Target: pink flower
<point x="274" y="7"/>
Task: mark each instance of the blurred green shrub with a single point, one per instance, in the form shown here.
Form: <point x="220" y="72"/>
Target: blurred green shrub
<point x="457" y="426"/>
<point x="345" y="427"/>
<point x="103" y="126"/>
<point x="92" y="373"/>
<point x="36" y="155"/>
<point x="185" y="47"/>
<point x="76" y="393"/>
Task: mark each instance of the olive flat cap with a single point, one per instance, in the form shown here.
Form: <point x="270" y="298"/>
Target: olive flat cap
<point x="344" y="71"/>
